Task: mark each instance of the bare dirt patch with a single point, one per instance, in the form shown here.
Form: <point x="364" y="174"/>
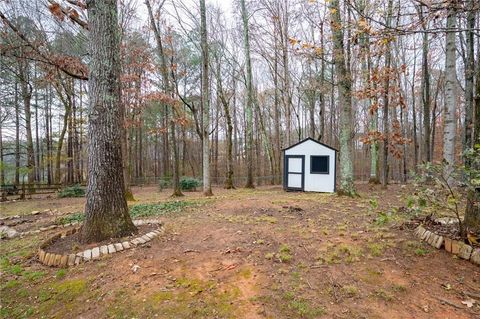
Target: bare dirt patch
<point x="259" y="253"/>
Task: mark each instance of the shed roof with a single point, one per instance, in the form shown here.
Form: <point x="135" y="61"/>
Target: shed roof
<point x="311" y="139"/>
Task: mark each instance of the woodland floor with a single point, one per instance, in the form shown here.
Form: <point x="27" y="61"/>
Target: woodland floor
<point x="260" y="253"/>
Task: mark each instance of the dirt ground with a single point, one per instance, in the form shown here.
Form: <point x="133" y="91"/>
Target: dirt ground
<point x="260" y="253"/>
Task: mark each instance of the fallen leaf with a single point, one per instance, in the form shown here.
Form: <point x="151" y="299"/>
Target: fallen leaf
<point x="447" y="286"/>
<point x="135" y="268"/>
<point x="469" y="302"/>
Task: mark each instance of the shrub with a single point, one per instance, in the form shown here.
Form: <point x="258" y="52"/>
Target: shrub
<point x="72" y="191"/>
<point x="189" y="184"/>
<point x="164" y="183"/>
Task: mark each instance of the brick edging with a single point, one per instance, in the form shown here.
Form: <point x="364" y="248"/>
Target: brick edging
<point x="59" y="260"/>
<point x="456" y="247"/>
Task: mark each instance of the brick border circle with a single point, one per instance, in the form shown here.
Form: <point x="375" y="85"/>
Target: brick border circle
<point x="68" y="260"/>
<point x="456" y="247"/>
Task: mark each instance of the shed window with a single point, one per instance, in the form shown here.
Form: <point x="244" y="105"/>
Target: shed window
<point x="319" y="164"/>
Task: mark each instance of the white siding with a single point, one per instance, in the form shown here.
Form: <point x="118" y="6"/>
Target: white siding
<point x="315" y="182"/>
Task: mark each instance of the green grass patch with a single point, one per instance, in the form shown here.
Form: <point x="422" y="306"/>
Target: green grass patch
<point x="383" y="295"/>
<point x="284" y="254"/>
<point x="302" y="307"/>
<point x="416" y="247"/>
<point x="376" y="249"/>
<point x="147" y="210"/>
<point x="72" y="191"/>
<point x="350" y="291"/>
<point x="336" y="254"/>
<point x="71" y="218"/>
<point x="139" y="210"/>
<point x="61" y="273"/>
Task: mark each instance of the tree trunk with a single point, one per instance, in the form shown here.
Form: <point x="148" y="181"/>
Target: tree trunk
<point x="207" y="186"/>
<point x="425" y="91"/>
<point x="26" y="91"/>
<point x="472" y="212"/>
<point x="469" y="76"/>
<point x="229" y="129"/>
<point x="414" y="119"/>
<point x="249" y="103"/>
<point x="106" y="210"/>
<point x="67" y="103"/>
<point x="344" y="79"/>
<point x="168" y="89"/>
<point x="450" y="121"/>
<point x="17" y="137"/>
<point x="386" y="97"/>
<point x="276" y="112"/>
<point x="2" y="164"/>
<point x="321" y="94"/>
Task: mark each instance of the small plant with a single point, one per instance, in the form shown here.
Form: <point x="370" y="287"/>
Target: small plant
<point x="189" y="184"/>
<point x="284" y="254"/>
<point x="421" y="251"/>
<point x="373" y="203"/>
<point x="376" y="249"/>
<point x="383" y="218"/>
<point x="350" y="290"/>
<point x="72" y="191"/>
<point x="164" y="183"/>
<point x="302" y="307"/>
<point x="384" y="295"/>
<point x="399" y="288"/>
<point x="75" y="217"/>
<point x="61" y="273"/>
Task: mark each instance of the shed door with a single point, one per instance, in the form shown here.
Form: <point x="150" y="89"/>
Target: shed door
<point x="294" y="171"/>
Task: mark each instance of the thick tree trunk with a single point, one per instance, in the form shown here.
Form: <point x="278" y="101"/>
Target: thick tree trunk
<point x="249" y="102"/>
<point x="106" y="210"/>
<point x="450" y="121"/>
<point x="344" y="79"/>
<point x="207" y="186"/>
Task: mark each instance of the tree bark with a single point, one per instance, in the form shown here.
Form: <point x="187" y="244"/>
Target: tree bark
<point x="344" y="79"/>
<point x="106" y="210"/>
<point x="249" y="102"/>
<point x="472" y="212"/>
<point x="17" y="137"/>
<point x="469" y="77"/>
<point x="26" y="92"/>
<point x="386" y="98"/>
<point x="425" y="91"/>
<point x="207" y="186"/>
<point x="450" y="121"/>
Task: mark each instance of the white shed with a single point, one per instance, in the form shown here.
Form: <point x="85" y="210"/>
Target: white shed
<point x="309" y="166"/>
